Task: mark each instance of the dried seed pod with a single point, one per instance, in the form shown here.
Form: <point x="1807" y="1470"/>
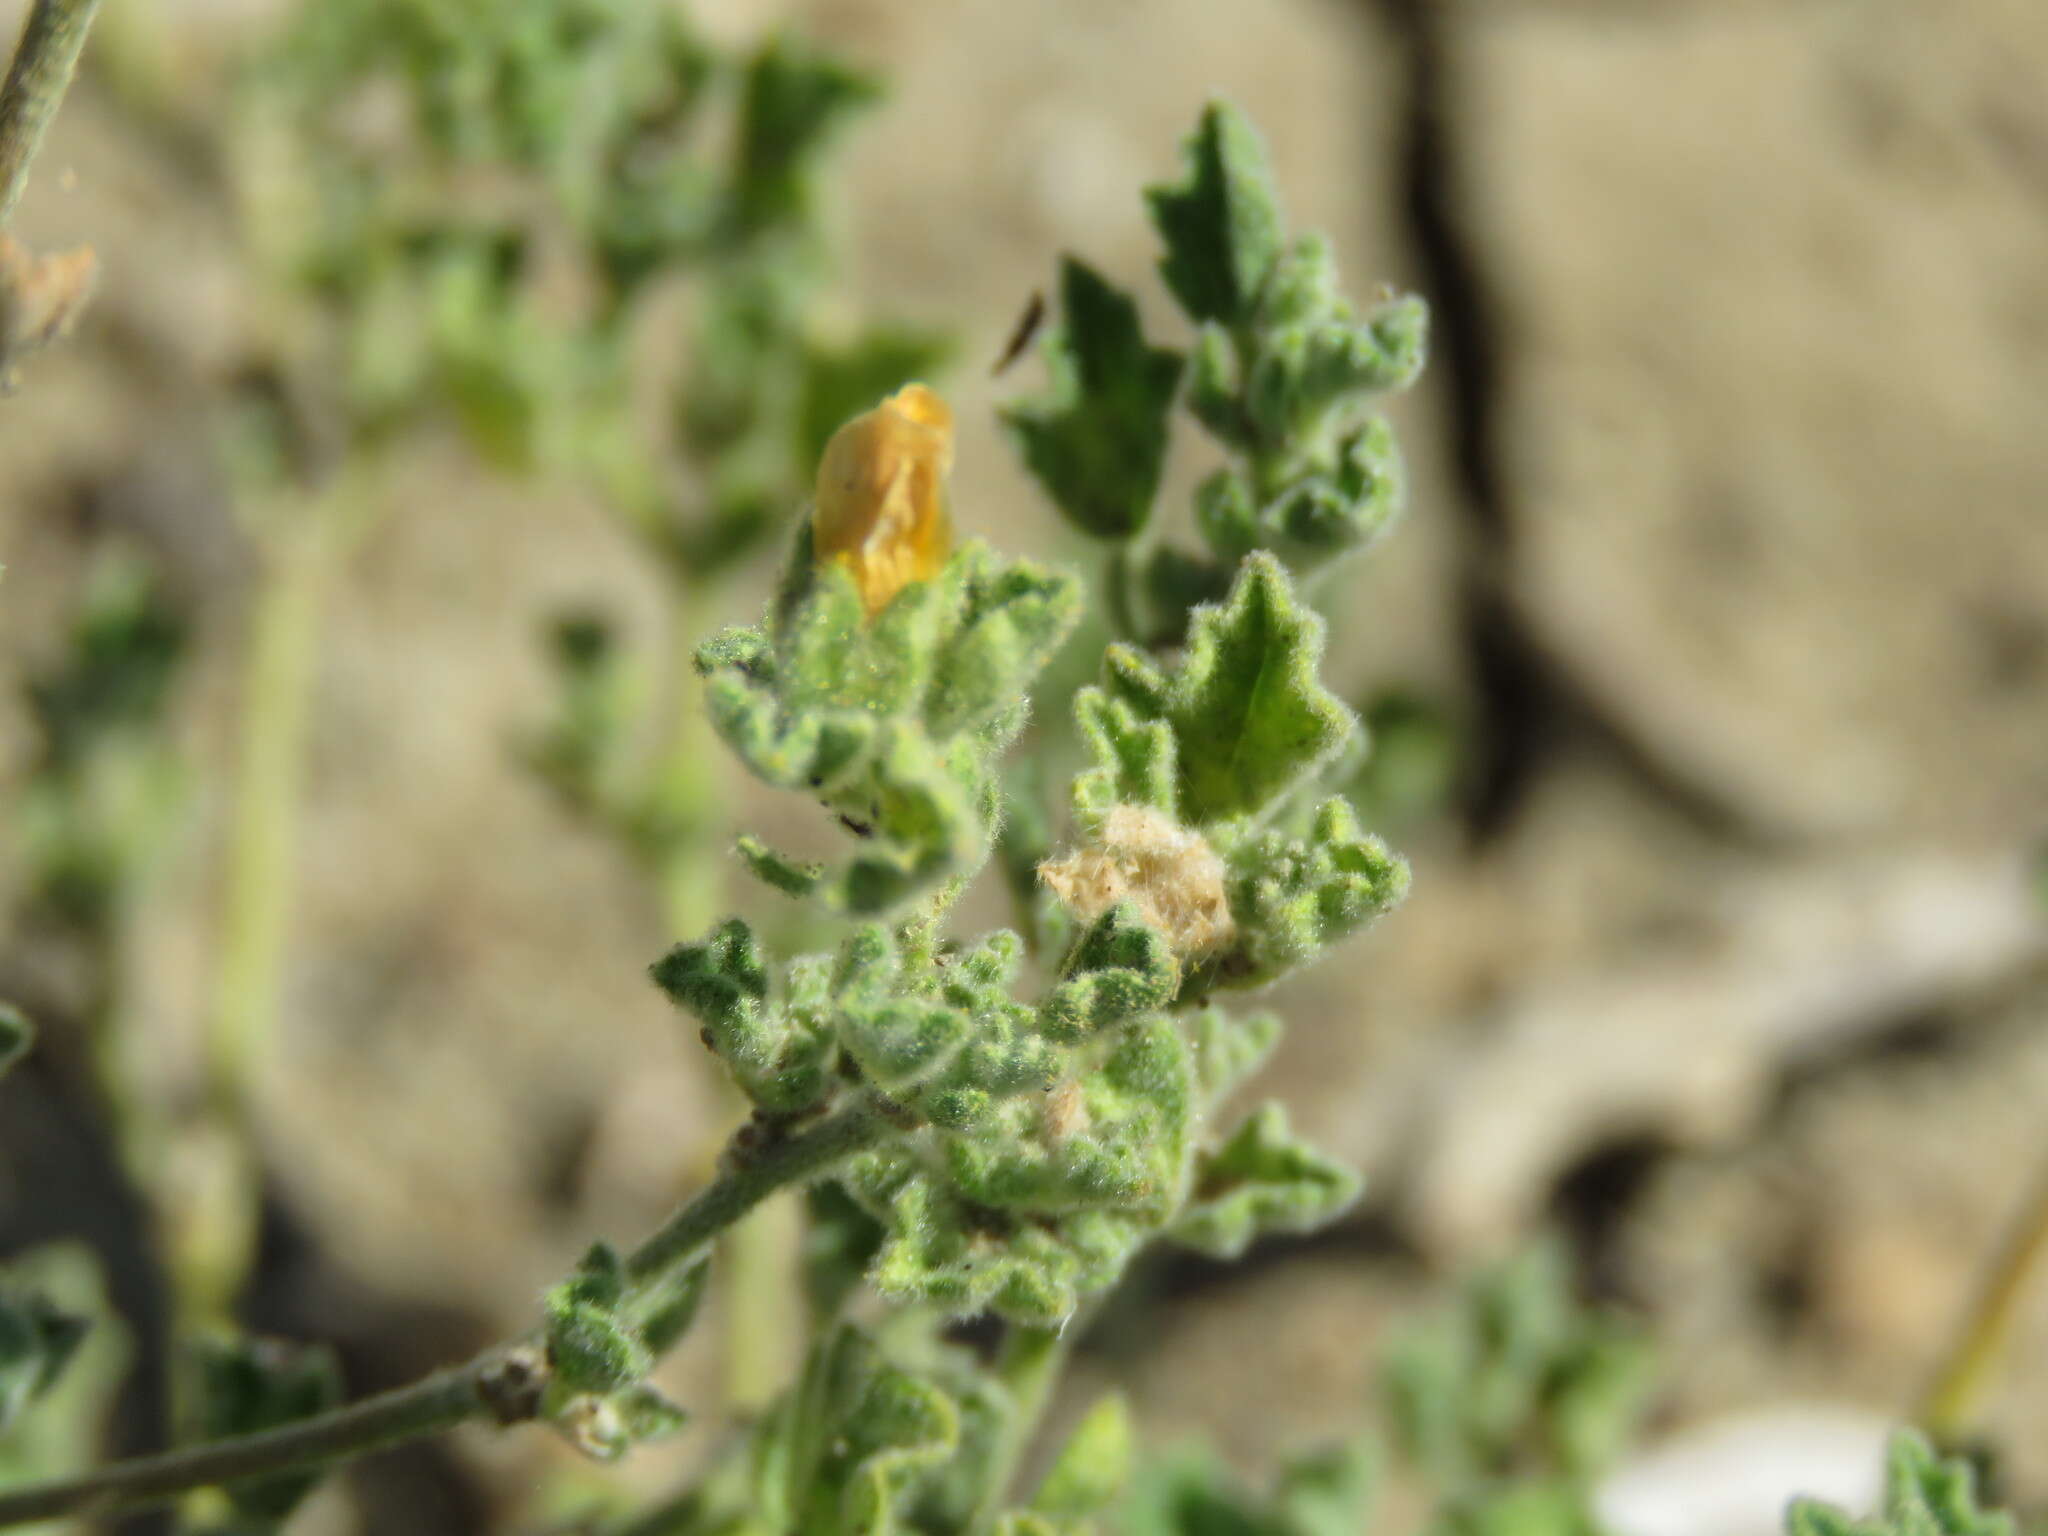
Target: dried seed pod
<point x="1143" y="856"/>
<point x="881" y="501"/>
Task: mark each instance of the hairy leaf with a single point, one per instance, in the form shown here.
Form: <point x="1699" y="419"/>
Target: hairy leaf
<point x="1096" y="439"/>
<point x="1221" y="223"/>
<point x="1249" y="718"/>
<point x="1262" y="1180"/>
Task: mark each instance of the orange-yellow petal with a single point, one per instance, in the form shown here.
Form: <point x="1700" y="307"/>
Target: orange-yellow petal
<point x="881" y="503"/>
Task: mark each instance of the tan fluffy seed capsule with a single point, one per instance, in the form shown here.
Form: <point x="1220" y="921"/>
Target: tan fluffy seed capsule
<point x="881" y="502"/>
<point x="1143" y="856"/>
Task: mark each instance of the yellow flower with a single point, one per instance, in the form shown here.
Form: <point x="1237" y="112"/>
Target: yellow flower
<point x="881" y="505"/>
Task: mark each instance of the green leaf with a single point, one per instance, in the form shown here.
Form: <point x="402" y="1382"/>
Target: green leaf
<point x="243" y="1386"/>
<point x="1516" y="1379"/>
<point x="1015" y="616"/>
<point x="1193" y="1493"/>
<point x="1096" y="439"/>
<point x="1135" y="762"/>
<point x="1221" y="224"/>
<point x="17" y="1036"/>
<point x="945" y="1251"/>
<point x="1294" y="896"/>
<point x="1093" y="1467"/>
<point x="1526" y="1506"/>
<point x="1924" y="1495"/>
<point x="1032" y="1203"/>
<point x="778" y="1052"/>
<point x="1249" y="718"/>
<point x="672" y="1308"/>
<point x="861" y="1434"/>
<point x="1121" y="1147"/>
<point x="793" y="101"/>
<point x="1334" y="505"/>
<point x="37" y="1340"/>
<point x="590" y="1349"/>
<point x="895" y="722"/>
<point x="1313" y="352"/>
<point x="793" y="877"/>
<point x="1120" y="969"/>
<point x="1262" y="1180"/>
<point x="648" y="1415"/>
<point x="600" y="1278"/>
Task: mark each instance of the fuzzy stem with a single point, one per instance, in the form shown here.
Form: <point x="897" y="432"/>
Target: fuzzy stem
<point x="1987" y="1327"/>
<point x="796" y="1160"/>
<point x="427" y="1407"/>
<point x="1030" y="1368"/>
<point x="44" y="63"/>
<point x="464" y="1393"/>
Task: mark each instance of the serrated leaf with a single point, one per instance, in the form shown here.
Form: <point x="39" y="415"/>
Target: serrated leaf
<point x="1314" y="353"/>
<point x="1134" y="759"/>
<point x="1121" y="968"/>
<point x="1262" y="1180"/>
<point x="1330" y="508"/>
<point x="1293" y="896"/>
<point x="792" y="101"/>
<point x="1250" y="720"/>
<point x="1221" y="223"/>
<point x="1013" y="618"/>
<point x="778" y="1054"/>
<point x="1096" y="439"/>
<point x="942" y="1250"/>
<point x="893" y="720"/>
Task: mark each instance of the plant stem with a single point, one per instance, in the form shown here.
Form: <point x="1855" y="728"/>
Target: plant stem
<point x="464" y="1393"/>
<point x="427" y="1407"/>
<point x="1030" y="1367"/>
<point x="795" y="1160"/>
<point x="44" y="62"/>
<point x="1980" y="1342"/>
<point x="211" y="1256"/>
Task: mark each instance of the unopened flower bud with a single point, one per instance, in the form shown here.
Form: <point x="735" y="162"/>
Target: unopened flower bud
<point x="881" y="500"/>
